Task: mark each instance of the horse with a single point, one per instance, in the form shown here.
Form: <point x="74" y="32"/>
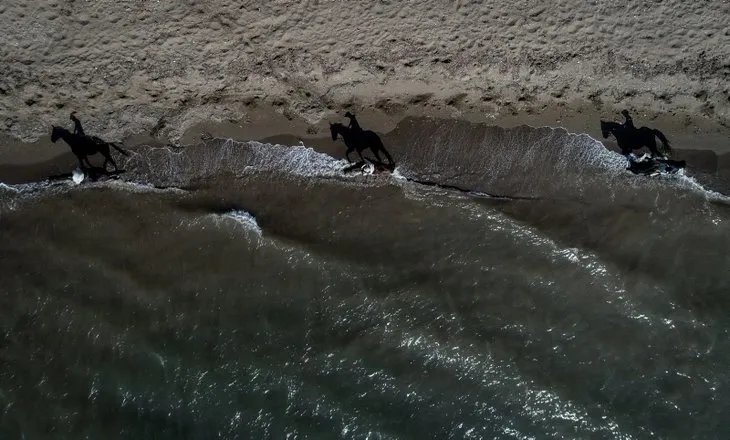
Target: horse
<point x="633" y="139"/>
<point x="359" y="140"/>
<point x="83" y="146"/>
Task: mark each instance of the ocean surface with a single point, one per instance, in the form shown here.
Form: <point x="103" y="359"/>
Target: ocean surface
<point x="501" y="284"/>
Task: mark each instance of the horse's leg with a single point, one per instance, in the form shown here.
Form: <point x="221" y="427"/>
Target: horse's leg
<point x="377" y="155"/>
<point x="359" y="153"/>
<point x="652" y="147"/>
<point x="104" y="150"/>
<point x="81" y="161"/>
<point x="347" y="154"/>
<point x="387" y="155"/>
<point x="106" y="158"/>
<point x="85" y="158"/>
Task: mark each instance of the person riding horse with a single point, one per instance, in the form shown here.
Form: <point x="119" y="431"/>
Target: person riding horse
<point x="629" y="123"/>
<point x="353" y="125"/>
<point x="78" y="129"/>
<point x="630" y="138"/>
<point x="83" y="145"/>
<point x="357" y="139"/>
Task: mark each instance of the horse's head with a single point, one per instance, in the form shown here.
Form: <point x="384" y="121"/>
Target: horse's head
<point x="334" y="130"/>
<point x="56" y="133"/>
<point x="605" y="129"/>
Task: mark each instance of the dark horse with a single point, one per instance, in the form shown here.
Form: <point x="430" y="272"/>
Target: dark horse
<point x="83" y="146"/>
<point x="359" y="140"/>
<point x="630" y="139"/>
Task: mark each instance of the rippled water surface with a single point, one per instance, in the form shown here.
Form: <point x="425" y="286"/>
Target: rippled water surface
<point x="246" y="290"/>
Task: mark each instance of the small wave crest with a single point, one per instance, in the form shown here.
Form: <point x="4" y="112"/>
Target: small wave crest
<point x="246" y="220"/>
<point x="138" y="188"/>
<point x="225" y="220"/>
<point x="12" y="195"/>
<point x="164" y="166"/>
<point x="526" y="162"/>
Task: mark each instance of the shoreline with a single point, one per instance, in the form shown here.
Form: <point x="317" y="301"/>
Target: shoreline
<point x="261" y="120"/>
<point x="22" y="162"/>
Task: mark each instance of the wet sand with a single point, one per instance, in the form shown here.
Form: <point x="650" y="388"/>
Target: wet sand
<point x="705" y="149"/>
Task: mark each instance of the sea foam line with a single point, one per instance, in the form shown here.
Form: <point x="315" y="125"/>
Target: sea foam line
<point x="244" y="219"/>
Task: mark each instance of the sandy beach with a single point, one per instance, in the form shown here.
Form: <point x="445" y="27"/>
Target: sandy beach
<point x="507" y="277"/>
<point x="141" y="72"/>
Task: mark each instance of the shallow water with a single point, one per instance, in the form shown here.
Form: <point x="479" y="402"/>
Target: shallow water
<point x="244" y="290"/>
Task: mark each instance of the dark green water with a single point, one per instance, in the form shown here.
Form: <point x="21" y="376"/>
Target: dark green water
<point x="259" y="293"/>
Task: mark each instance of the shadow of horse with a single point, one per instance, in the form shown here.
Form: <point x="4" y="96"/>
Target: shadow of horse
<point x="359" y="140"/>
<point x="83" y="146"/>
<point x="629" y="139"/>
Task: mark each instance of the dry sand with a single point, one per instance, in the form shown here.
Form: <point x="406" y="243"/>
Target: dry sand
<point x="140" y="70"/>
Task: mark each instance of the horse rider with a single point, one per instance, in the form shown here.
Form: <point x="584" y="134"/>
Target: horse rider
<point x="353" y="125"/>
<point x="629" y="123"/>
<point x="78" y="129"/>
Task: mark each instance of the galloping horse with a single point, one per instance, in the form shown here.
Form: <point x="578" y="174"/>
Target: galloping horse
<point x="630" y="139"/>
<point x="83" y="146"/>
<point x="359" y="140"/>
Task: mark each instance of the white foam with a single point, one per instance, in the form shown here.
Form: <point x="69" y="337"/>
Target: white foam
<point x="164" y="166"/>
<point x="239" y="218"/>
<point x="19" y="193"/>
<point x="691" y="183"/>
<point x="298" y="160"/>
<point x="586" y="261"/>
<point x="78" y="176"/>
<point x="244" y="219"/>
<point x="138" y="188"/>
<point x="617" y="162"/>
<point x="37" y="189"/>
<point x="6" y="187"/>
<point x="396" y="174"/>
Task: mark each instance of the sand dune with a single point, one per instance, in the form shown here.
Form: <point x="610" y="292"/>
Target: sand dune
<point x="140" y="66"/>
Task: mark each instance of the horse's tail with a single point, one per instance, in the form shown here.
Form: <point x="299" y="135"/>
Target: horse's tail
<point x="665" y="142"/>
<point x="116" y="147"/>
